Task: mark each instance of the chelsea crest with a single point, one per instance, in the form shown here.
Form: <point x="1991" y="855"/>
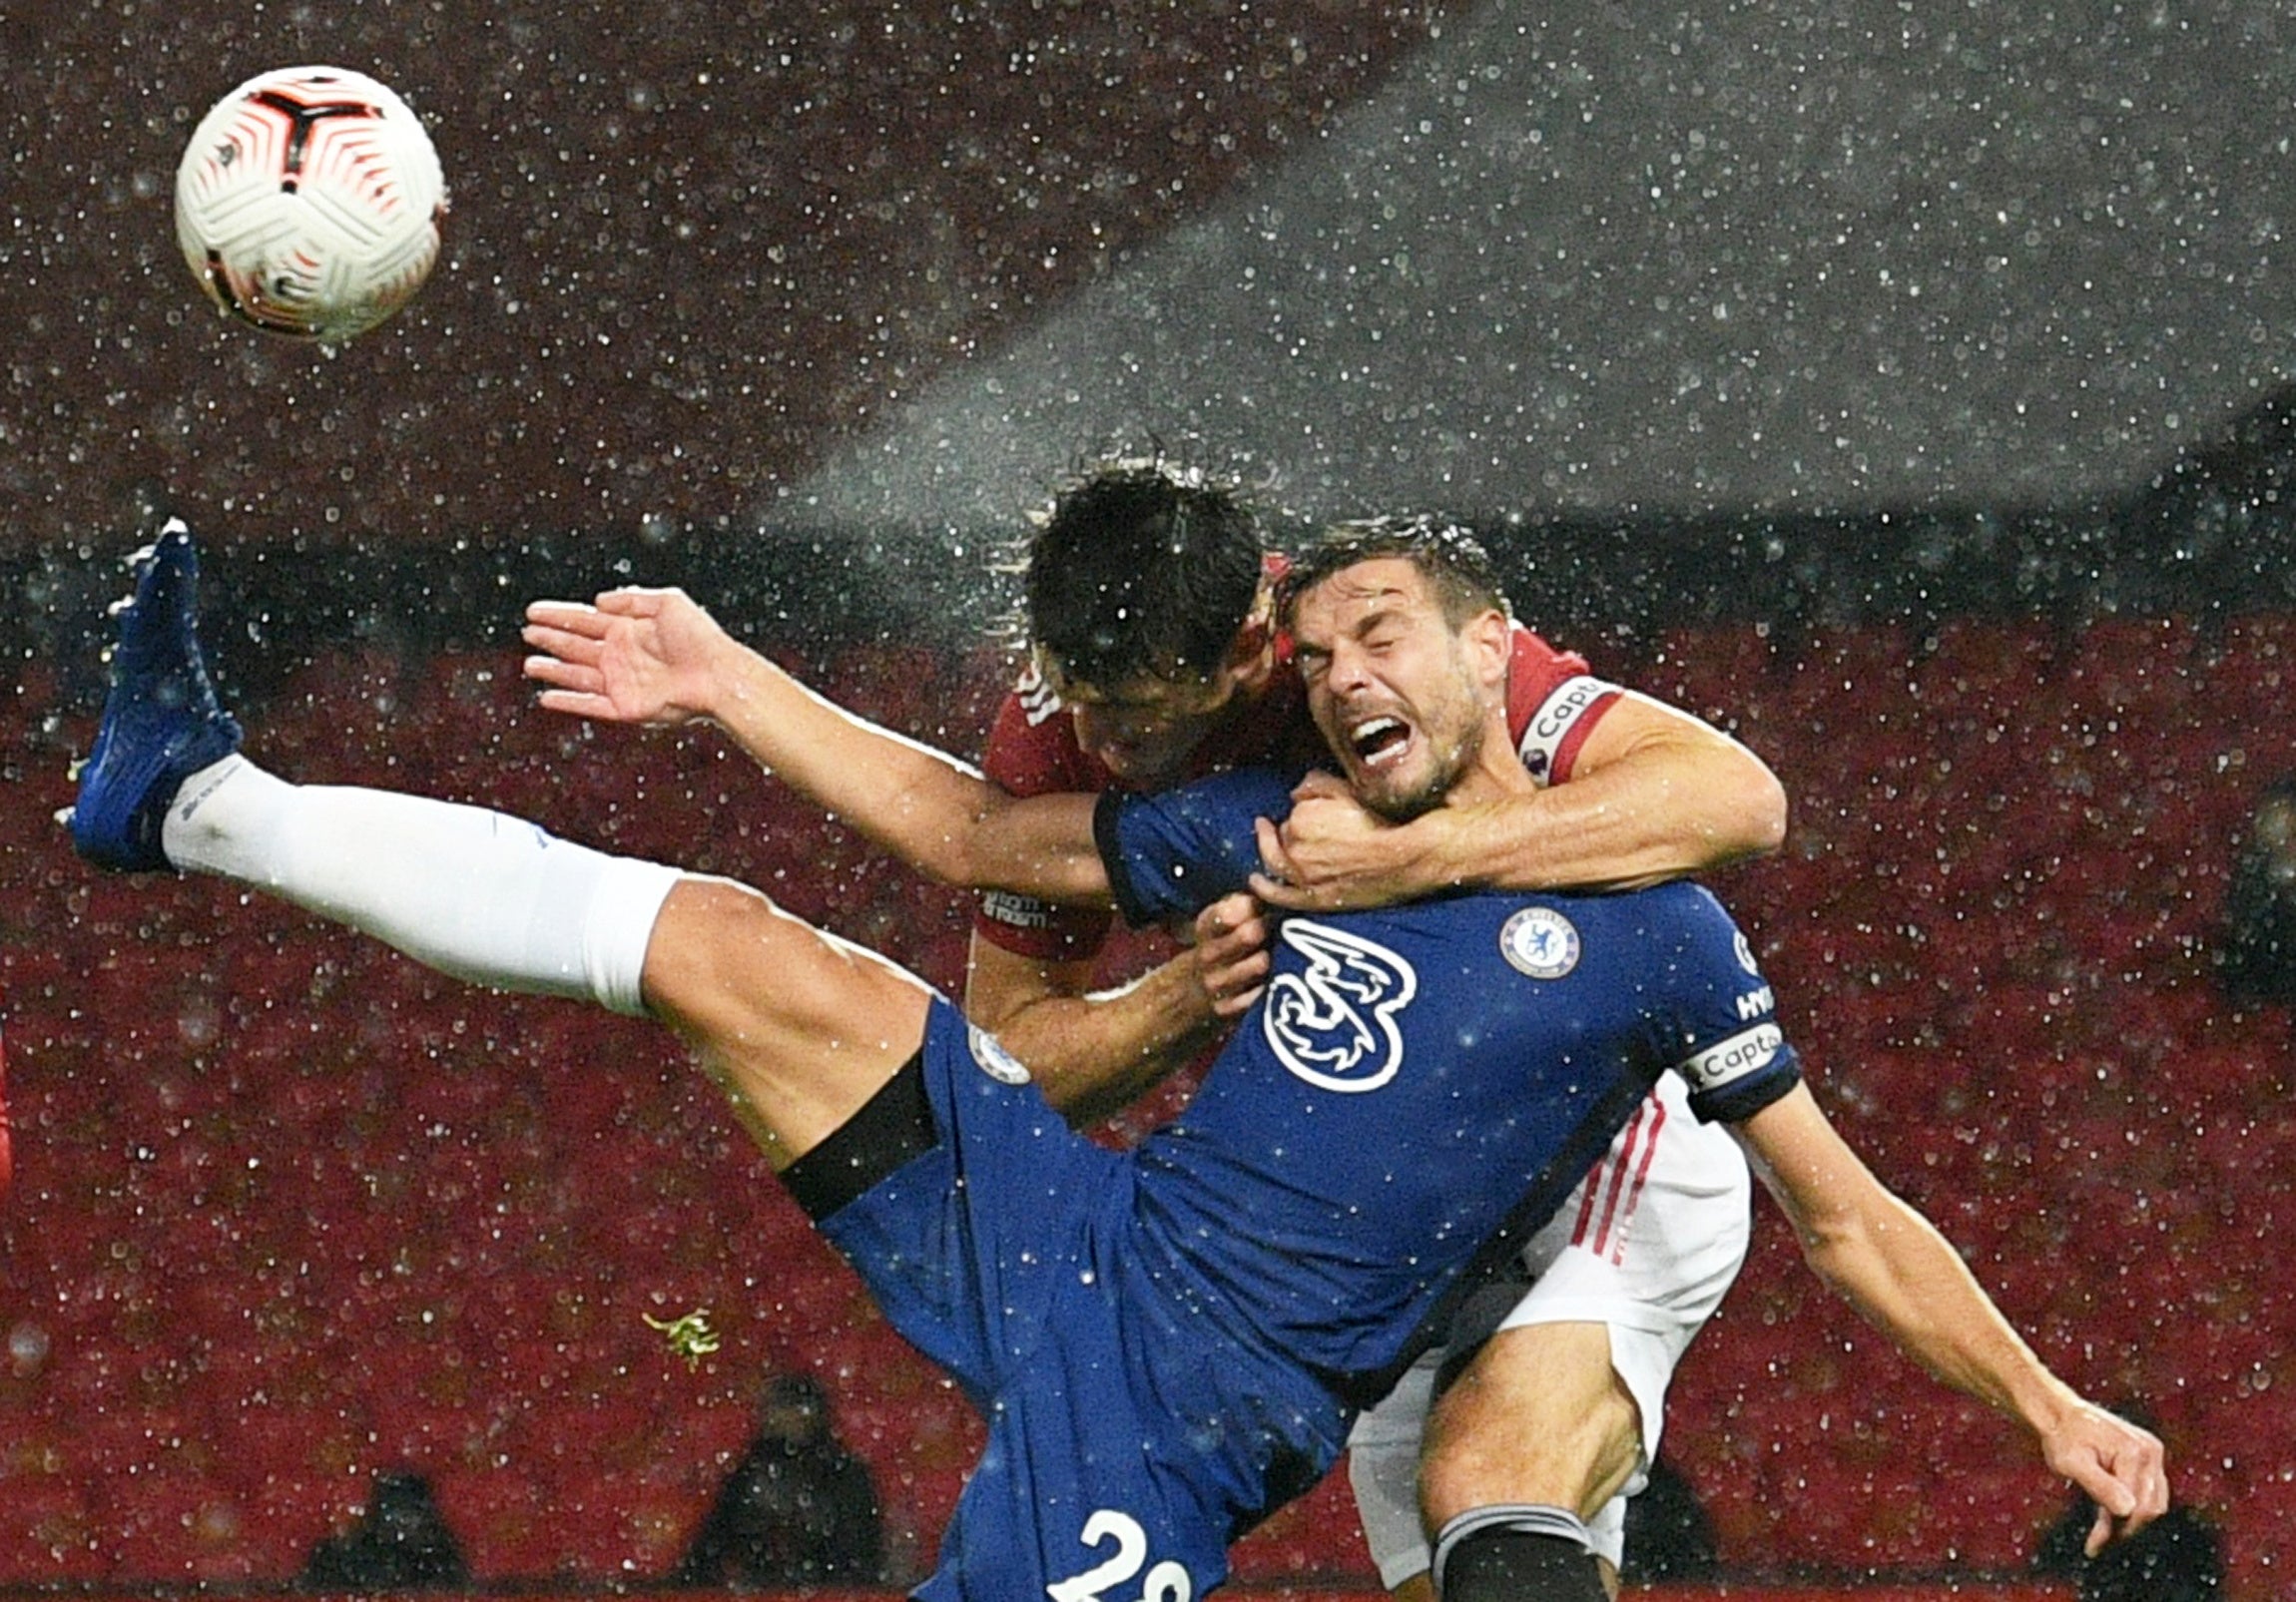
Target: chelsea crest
<point x="1540" y="941"/>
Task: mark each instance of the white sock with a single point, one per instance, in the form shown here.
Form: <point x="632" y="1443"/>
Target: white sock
<point x="473" y="893"/>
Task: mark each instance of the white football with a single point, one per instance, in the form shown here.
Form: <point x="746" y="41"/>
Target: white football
<point x="309" y="203"/>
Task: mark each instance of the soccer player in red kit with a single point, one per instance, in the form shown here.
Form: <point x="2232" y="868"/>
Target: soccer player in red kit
<point x="1155" y="660"/>
<point x="1220" y="1357"/>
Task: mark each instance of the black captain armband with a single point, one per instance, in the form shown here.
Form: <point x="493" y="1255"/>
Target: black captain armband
<point x="1736" y="1078"/>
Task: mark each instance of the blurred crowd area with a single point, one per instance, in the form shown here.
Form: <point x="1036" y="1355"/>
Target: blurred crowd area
<point x="684" y="262"/>
<point x="290" y="1211"/>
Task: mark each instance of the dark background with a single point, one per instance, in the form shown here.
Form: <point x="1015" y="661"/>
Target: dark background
<point x="1902" y="386"/>
<point x="1843" y="311"/>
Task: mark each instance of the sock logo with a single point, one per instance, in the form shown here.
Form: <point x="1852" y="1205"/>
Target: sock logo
<point x="188" y="805"/>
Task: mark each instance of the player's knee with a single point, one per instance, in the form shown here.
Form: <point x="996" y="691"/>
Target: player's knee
<point x="1540" y="1418"/>
<point x="708" y="930"/>
<point x="1516" y="1554"/>
<point x="1579" y="1465"/>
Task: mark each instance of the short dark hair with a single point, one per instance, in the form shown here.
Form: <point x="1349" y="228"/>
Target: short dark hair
<point x="1142" y="568"/>
<point x="1453" y="561"/>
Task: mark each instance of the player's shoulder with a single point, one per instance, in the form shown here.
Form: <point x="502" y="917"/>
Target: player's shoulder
<point x="1553" y="699"/>
<point x="1693" y="936"/>
<point x="1662" y="921"/>
<point x="1034" y="695"/>
<point x="1673" y="903"/>
<point x="1032" y="748"/>
<point x="1032" y="710"/>
<point x="1527" y="650"/>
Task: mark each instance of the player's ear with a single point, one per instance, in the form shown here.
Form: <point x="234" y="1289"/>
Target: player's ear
<point x="1490" y="639"/>
<point x="1248" y="651"/>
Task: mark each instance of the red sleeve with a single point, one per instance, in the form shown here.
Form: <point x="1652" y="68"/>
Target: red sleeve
<point x="1554" y="702"/>
<point x="1033" y="751"/>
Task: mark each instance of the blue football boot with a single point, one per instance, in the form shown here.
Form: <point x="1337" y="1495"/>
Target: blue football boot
<point x="162" y="721"/>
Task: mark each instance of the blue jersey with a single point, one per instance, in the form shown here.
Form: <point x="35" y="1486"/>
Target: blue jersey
<point x="1422" y="1085"/>
<point x="1166" y="1342"/>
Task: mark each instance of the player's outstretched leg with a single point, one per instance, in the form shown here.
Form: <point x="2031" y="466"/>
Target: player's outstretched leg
<point x="162" y="721"/>
<point x="802" y="1028"/>
<point x="472" y="893"/>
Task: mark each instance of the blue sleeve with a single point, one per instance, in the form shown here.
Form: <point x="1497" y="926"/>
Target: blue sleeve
<point x="1173" y="854"/>
<point x="1734" y="1056"/>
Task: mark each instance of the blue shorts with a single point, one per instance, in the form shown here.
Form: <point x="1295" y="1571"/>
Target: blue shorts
<point x="1133" y="1434"/>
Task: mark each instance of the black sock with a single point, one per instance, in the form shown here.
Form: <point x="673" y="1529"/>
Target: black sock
<point x="1500" y="1563"/>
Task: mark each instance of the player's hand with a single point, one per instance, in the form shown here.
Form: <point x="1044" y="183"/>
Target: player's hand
<point x="2123" y="1468"/>
<point x="1333" y="855"/>
<point x="637" y="655"/>
<point x="1231" y="953"/>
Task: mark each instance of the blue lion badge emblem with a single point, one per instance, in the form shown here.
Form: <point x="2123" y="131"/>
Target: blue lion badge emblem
<point x="993" y="1060"/>
<point x="1540" y="941"/>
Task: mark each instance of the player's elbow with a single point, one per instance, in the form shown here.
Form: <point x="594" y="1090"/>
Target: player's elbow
<point x="1884" y="1258"/>
<point x="1770" y="806"/>
<point x="1753" y="815"/>
<point x="1042" y="847"/>
<point x="1835" y="1256"/>
<point x="951" y="838"/>
<point x="949" y="856"/>
<point x="1838" y="1244"/>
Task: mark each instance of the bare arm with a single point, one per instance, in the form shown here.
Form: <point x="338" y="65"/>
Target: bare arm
<point x="656" y="657"/>
<point x="1094" y="1053"/>
<point x="1655" y="793"/>
<point x="1893" y="1267"/>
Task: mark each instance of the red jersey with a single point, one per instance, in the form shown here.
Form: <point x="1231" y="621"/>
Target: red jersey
<point x="1552" y="703"/>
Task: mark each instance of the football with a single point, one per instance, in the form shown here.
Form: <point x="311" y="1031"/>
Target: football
<point x="309" y="203"/>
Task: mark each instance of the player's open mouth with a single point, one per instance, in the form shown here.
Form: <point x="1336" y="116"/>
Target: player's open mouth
<point x="1379" y="740"/>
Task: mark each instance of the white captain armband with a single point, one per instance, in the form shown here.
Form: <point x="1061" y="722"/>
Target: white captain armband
<point x="1560" y="721"/>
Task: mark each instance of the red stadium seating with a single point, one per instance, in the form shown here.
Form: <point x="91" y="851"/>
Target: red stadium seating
<point x="290" y="1211"/>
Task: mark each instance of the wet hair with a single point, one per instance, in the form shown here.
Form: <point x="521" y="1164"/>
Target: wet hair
<point x="1142" y="568"/>
<point x="1453" y="561"/>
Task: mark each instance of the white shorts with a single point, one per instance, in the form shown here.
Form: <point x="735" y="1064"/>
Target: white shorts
<point x="1647" y="1245"/>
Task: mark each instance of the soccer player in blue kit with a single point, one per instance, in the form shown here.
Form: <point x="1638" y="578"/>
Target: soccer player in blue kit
<point x="1168" y="1341"/>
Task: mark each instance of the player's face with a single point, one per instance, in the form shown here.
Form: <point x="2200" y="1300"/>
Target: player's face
<point x="1145" y="730"/>
<point x="1391" y="685"/>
